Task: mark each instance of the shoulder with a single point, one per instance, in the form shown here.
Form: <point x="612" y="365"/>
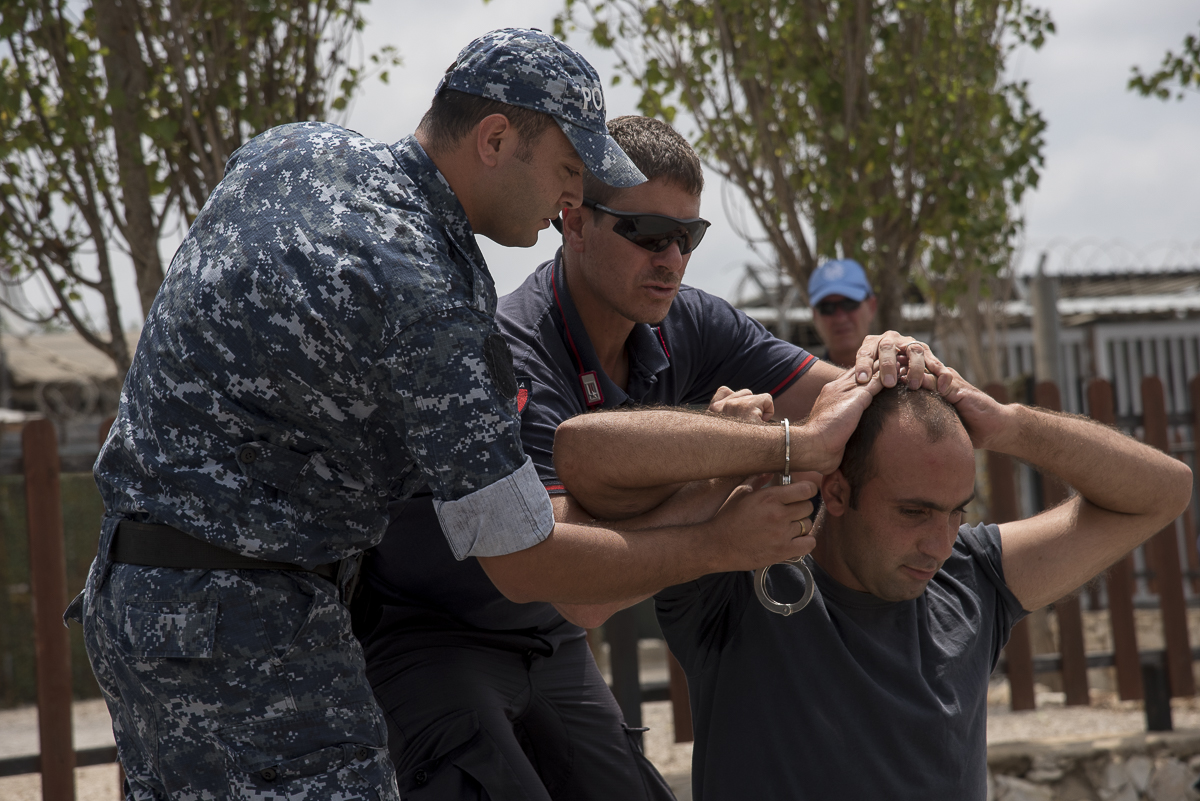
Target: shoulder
<point x="314" y="177"/>
<point x="699" y="618"/>
<point x="703" y="315"/>
<point x="521" y="311"/>
<point x="980" y="542"/>
<point x="310" y="145"/>
<point x="317" y="215"/>
<point x="525" y="318"/>
<point x="692" y="304"/>
<point x="976" y="562"/>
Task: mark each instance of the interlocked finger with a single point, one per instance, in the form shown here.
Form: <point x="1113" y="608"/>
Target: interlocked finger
<point x="916" y="352"/>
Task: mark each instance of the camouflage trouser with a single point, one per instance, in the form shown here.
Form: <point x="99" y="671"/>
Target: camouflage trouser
<point x="234" y="684"/>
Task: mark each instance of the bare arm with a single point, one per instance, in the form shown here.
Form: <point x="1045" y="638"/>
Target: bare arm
<point x="797" y="401"/>
<point x="621" y="464"/>
<point x="624" y="463"/>
<point x="755" y="526"/>
<point x="1127" y="491"/>
<point x="601" y="474"/>
<point x="593" y="564"/>
<point x="689" y="504"/>
<point x="694" y="503"/>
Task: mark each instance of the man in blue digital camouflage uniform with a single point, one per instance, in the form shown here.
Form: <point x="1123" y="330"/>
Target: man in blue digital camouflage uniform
<point x="486" y="698"/>
<point x="323" y="342"/>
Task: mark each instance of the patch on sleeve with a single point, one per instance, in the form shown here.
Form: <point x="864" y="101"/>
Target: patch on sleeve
<point x="500" y="364"/>
<point x="524" y="388"/>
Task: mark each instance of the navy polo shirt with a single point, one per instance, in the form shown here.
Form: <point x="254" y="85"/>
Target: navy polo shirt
<point x="704" y="343"/>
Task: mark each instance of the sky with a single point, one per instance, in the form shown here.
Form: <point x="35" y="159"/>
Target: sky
<point x="1121" y="181"/>
<point x="1122" y="173"/>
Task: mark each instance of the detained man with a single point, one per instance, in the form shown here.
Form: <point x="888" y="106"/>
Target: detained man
<point x="878" y="687"/>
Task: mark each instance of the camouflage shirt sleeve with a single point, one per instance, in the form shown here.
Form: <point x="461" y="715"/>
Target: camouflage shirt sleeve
<point x="453" y="383"/>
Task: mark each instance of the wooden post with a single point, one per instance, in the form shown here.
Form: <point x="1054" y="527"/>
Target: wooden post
<point x="1191" y="534"/>
<point x="1163" y="554"/>
<point x="681" y="703"/>
<point x="621" y="632"/>
<point x="1192" y="558"/>
<point x="1119" y="578"/>
<point x="48" y="577"/>
<point x="1003" y="493"/>
<point x="105" y="425"/>
<point x="1070" y="617"/>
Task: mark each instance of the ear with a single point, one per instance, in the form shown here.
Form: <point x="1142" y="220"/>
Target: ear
<point x="495" y="139"/>
<point x="873" y="304"/>
<point x="835" y="493"/>
<point x="573" y="224"/>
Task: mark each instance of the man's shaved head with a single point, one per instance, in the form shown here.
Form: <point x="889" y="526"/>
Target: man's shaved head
<point x="894" y="507"/>
<point x="934" y="412"/>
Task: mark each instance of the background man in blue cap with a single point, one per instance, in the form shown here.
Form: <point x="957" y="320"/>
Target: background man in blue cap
<point x="843" y="308"/>
<point x="324" y="341"/>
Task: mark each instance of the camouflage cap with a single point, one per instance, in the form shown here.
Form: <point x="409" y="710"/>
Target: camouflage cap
<point x="527" y="68"/>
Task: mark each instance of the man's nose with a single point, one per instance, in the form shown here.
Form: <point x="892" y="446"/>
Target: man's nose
<point x="939" y="538"/>
<point x="572" y="195"/>
<point x="670" y="258"/>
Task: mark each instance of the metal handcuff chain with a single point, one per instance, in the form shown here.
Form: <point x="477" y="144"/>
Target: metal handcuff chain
<point x="760" y="575"/>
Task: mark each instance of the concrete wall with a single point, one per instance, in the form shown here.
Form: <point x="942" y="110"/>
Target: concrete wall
<point x="1148" y="767"/>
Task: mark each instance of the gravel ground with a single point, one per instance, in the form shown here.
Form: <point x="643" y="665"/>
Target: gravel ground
<point x="1051" y="721"/>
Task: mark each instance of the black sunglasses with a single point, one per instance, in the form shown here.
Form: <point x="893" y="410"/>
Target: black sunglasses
<point x="828" y="308"/>
<point x="654" y="232"/>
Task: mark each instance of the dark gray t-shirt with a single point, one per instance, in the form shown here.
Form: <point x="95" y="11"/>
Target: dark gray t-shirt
<point x="853" y="697"/>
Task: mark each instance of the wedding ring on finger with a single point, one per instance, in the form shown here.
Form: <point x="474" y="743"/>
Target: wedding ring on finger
<point x="764" y="598"/>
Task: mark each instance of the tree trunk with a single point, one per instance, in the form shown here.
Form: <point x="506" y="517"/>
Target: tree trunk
<point x="116" y="22"/>
<point x="890" y="286"/>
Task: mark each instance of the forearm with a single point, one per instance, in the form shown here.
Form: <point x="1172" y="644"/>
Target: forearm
<point x="1127" y="492"/>
<point x="622" y="464"/>
<point x="580" y="564"/>
<point x="591" y="564"/>
<point x="591" y="616"/>
<point x="693" y="503"/>
<point x="1114" y="472"/>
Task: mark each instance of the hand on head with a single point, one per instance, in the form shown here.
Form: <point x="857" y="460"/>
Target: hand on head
<point x="834" y="416"/>
<point x="895" y="356"/>
<point x="985" y="419"/>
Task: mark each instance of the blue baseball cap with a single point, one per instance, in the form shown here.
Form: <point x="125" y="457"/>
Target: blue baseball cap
<point x="527" y="68"/>
<point x="843" y="277"/>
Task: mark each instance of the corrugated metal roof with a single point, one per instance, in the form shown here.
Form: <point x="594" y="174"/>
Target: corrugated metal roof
<point x="1118" y="305"/>
<point x="59" y="357"/>
<point x="1105" y="286"/>
<point x="1112" y="257"/>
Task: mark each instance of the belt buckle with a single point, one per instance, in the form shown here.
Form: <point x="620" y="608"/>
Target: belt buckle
<point x="771" y="605"/>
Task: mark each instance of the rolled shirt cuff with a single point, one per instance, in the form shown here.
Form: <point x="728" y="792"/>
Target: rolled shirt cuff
<point x="509" y="515"/>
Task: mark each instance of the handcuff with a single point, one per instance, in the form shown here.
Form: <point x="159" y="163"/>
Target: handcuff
<point x="760" y="575"/>
<point x="760" y="588"/>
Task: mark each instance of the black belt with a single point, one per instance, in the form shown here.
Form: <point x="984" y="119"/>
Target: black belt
<point x="154" y="545"/>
